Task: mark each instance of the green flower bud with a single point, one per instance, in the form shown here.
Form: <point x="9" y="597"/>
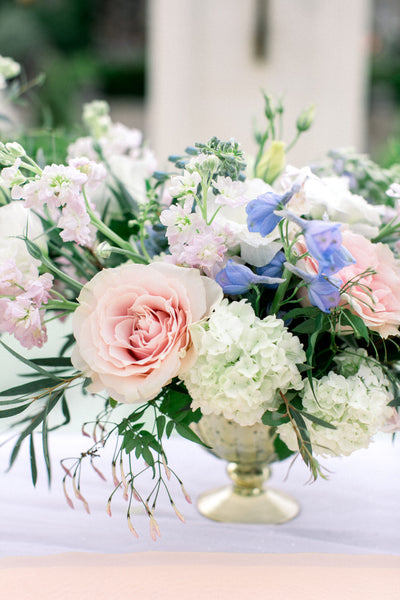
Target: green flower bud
<point x="272" y="162"/>
<point x="305" y="119"/>
<point x="15" y="149"/>
<point x="103" y="250"/>
<point x="269" y="107"/>
<point x="97" y="118"/>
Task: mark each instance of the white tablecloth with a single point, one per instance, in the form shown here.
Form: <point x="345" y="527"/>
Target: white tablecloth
<point x="356" y="511"/>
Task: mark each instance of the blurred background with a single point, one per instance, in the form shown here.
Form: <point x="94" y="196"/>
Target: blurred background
<point x="183" y="70"/>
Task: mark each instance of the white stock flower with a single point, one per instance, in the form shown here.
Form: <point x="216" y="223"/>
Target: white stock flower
<point x="15" y="220"/>
<point x="355" y="405"/>
<point x="231" y="193"/>
<point x="242" y="362"/>
<point x="394" y="190"/>
<point x="184" y="185"/>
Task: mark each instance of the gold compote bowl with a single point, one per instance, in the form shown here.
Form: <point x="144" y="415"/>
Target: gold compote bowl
<point x="249" y="450"/>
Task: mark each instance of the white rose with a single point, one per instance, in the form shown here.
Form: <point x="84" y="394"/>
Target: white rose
<point x="331" y="196"/>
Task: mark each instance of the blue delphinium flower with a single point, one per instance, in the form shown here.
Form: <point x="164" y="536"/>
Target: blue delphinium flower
<point x="273" y="268"/>
<point x="324" y="243"/>
<point x="323" y="291"/>
<point x="261" y="217"/>
<point x="235" y="278"/>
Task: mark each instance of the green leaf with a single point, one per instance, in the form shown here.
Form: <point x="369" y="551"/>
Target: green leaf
<point x="147" y="456"/>
<point x="129" y="443"/>
<point x="313" y="337"/>
<point x="274" y="418"/>
<point x="45" y="440"/>
<point x="160" y="424"/>
<point x="29" y="363"/>
<point x="317" y="420"/>
<point x="32" y="460"/>
<point x="56" y="361"/>
<point x="169" y="428"/>
<point x="189" y="434"/>
<point x="65" y="412"/>
<point x="307" y="326"/>
<point x="70" y="341"/>
<point x="11" y="412"/>
<point x="136" y="415"/>
<point x="113" y="403"/>
<point x="29" y="388"/>
<point x="34" y="423"/>
<point x="307" y="311"/>
<point x="357" y="324"/>
<point x="174" y="402"/>
<point x="281" y="449"/>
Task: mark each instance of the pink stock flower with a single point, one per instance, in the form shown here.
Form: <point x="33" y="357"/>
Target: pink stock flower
<point x="10" y="277"/>
<point x="132" y="327"/>
<point x="75" y="222"/>
<point x="392" y="425"/>
<point x="192" y="242"/>
<point x="95" y="172"/>
<point x="56" y="186"/>
<point x="60" y="188"/>
<point x="21" y="312"/>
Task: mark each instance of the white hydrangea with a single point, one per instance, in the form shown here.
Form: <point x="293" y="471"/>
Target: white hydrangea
<point x="8" y="69"/>
<point x="242" y="363"/>
<point x="355" y="405"/>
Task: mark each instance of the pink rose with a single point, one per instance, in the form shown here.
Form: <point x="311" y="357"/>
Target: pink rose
<point x="132" y="327"/>
<point x="376" y="297"/>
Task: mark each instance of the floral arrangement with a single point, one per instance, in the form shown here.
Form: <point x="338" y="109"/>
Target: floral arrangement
<point x="264" y="293"/>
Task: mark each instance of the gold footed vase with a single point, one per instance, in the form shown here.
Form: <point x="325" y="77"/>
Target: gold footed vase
<point x="249" y="450"/>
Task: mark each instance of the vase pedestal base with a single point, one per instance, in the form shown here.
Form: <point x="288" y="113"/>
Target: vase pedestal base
<point x="268" y="507"/>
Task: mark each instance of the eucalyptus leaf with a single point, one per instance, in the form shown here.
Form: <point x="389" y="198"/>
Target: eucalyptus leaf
<point x="274" y="418"/>
<point x="29" y="388"/>
<point x="32" y="457"/>
<point x="11" y="412"/>
<point x="29" y="363"/>
<point x="317" y="420"/>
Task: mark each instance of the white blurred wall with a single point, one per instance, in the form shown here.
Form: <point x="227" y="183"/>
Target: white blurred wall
<point x="204" y="79"/>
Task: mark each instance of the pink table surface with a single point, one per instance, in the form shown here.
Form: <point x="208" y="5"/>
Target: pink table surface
<point x="200" y="576"/>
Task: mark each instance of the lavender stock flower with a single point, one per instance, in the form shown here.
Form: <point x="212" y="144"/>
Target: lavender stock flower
<point x="238" y="279"/>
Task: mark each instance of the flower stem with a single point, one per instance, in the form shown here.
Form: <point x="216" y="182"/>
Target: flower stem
<point x="280" y="292"/>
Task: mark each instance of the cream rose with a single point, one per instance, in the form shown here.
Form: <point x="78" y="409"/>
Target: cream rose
<point x="132" y="327"/>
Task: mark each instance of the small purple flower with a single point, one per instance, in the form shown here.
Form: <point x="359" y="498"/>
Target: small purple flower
<point x="261" y="217"/>
<point x="238" y="279"/>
